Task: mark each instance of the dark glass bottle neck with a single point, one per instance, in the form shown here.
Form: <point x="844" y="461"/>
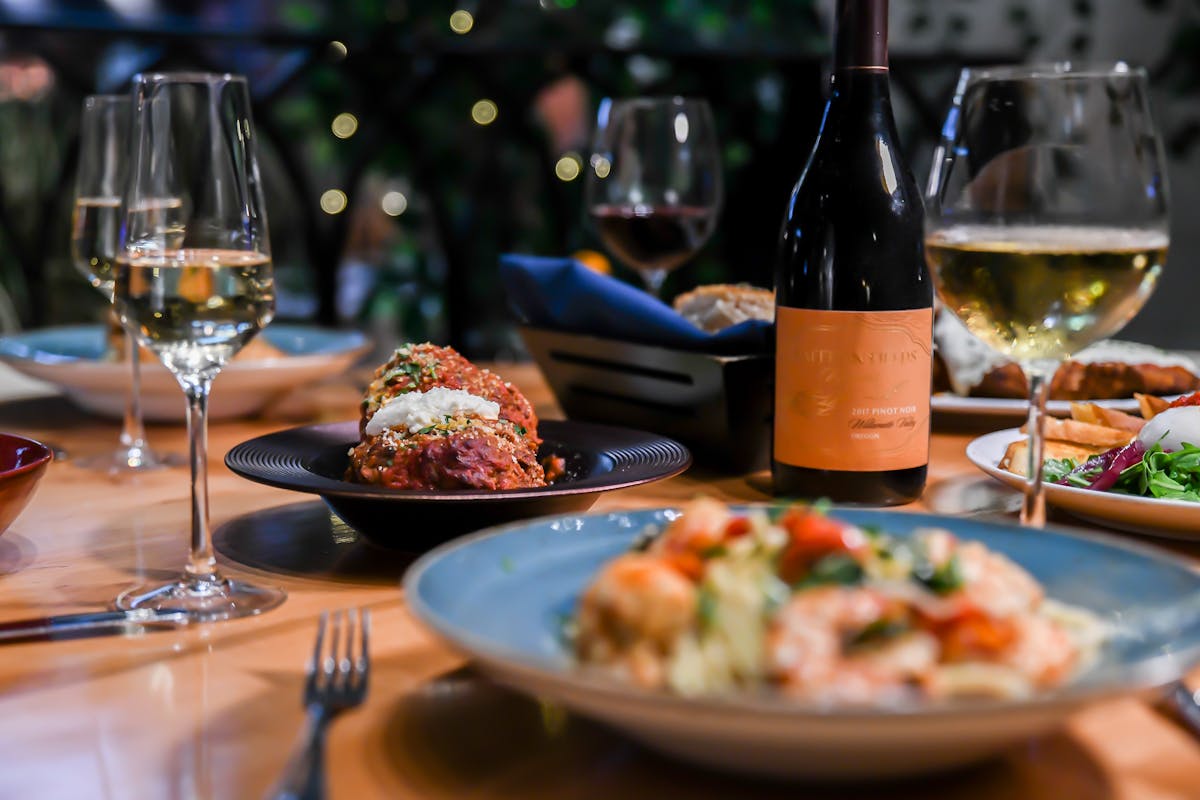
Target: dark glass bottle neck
<point x="860" y="39"/>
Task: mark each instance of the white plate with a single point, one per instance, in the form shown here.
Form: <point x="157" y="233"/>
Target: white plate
<point x="72" y="359"/>
<point x="1177" y="519"/>
<point x="946" y="403"/>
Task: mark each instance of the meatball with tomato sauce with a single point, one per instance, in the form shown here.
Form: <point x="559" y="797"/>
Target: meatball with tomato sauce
<point x="460" y="453"/>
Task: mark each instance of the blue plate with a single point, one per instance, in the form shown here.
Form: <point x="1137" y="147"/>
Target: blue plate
<point x="73" y="358"/>
<point x="90" y="342"/>
<point x="501" y="596"/>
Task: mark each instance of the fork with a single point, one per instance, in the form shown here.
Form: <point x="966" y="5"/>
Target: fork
<point x="336" y="681"/>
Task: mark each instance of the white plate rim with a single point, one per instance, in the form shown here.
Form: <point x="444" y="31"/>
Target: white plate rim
<point x="1177" y="519"/>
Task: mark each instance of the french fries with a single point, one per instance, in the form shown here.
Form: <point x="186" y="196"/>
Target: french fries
<point x="1091" y="430"/>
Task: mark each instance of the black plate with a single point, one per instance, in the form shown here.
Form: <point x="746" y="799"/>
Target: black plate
<point x="313" y="459"/>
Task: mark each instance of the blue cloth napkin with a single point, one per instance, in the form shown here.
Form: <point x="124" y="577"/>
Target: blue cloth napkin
<point x="562" y="294"/>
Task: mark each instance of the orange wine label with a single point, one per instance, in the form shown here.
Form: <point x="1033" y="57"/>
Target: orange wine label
<point x="852" y="388"/>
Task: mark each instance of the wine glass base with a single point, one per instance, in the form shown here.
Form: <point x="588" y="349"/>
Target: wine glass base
<point x="203" y="600"/>
<point x="125" y="460"/>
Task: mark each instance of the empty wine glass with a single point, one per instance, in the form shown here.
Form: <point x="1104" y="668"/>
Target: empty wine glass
<point x="654" y="182"/>
<point x="1046" y="225"/>
<point x="95" y="222"/>
<point x="194" y="280"/>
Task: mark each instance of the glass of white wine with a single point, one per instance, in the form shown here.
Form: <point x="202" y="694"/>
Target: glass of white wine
<point x="195" y="284"/>
<point x="1046" y="217"/>
<point x="95" y="223"/>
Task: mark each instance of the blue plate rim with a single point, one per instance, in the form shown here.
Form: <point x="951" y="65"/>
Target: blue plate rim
<point x="352" y="340"/>
<point x="1143" y="675"/>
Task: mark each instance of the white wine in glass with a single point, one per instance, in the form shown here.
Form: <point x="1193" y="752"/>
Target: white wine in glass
<point x="194" y="277"/>
<point x="1046" y="217"/>
<point x="104" y="141"/>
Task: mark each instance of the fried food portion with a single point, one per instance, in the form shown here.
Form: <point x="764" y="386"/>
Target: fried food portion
<point x="420" y="367"/>
<point x="1097" y="381"/>
<point x="459" y="453"/>
<point x="1090" y="431"/>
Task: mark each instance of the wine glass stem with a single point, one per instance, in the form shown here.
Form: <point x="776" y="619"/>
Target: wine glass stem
<point x="654" y="278"/>
<point x="201" y="566"/>
<point x="133" y="432"/>
<point x="1033" y="511"/>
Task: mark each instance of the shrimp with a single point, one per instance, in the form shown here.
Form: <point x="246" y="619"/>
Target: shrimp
<point x="702" y="526"/>
<point x="995" y="584"/>
<point x="633" y="613"/>
<point x="1042" y="651"/>
<point x="806" y="647"/>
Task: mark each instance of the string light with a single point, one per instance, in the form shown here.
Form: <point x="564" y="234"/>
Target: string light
<point x="393" y="203"/>
<point x="484" y="112"/>
<point x="568" y="167"/>
<point x="333" y="201"/>
<point x="344" y="125"/>
<point x="461" y="21"/>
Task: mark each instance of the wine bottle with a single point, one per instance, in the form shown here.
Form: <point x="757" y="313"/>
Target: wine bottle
<point x="854" y="316"/>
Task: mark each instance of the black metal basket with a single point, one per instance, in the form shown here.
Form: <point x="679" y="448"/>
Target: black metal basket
<point x="719" y="406"/>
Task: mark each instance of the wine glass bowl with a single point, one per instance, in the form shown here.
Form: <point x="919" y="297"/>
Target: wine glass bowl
<point x="194" y="280"/>
<point x="1046" y="224"/>
<point x="104" y="141"/>
<point x="654" y="187"/>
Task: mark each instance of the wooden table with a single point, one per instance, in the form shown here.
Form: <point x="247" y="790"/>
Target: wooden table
<point x="212" y="711"/>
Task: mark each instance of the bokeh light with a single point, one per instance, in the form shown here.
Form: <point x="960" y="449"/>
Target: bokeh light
<point x="484" y="112"/>
<point x="568" y="167"/>
<point x="393" y="203"/>
<point x="333" y="201"/>
<point x="461" y="21"/>
<point x="344" y="125"/>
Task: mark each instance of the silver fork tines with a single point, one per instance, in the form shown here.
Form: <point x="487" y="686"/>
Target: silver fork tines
<point x="336" y="680"/>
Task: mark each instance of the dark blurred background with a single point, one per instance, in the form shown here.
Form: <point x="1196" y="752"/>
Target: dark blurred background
<point x="405" y="144"/>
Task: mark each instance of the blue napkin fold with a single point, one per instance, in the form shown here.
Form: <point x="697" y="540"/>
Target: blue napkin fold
<point x="562" y="294"/>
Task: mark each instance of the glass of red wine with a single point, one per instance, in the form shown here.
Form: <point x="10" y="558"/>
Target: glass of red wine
<point x="654" y="182"/>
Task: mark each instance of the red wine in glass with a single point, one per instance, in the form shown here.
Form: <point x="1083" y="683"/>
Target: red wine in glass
<point x="654" y="182"/>
<point x="654" y="238"/>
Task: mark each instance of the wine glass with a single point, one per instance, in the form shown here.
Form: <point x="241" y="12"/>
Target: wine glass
<point x="195" y="284"/>
<point x="1046" y="225"/>
<point x="95" y="222"/>
<point x="654" y="182"/>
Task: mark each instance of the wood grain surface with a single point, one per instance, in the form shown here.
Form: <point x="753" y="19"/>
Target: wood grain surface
<point x="212" y="711"/>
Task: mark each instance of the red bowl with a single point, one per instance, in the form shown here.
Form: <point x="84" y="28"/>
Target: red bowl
<point x="22" y="464"/>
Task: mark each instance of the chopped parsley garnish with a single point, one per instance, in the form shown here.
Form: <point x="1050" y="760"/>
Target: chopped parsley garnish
<point x="878" y="631"/>
<point x="836" y="568"/>
<point x="715" y="551"/>
<point x="943" y="579"/>
<point x="706" y="608"/>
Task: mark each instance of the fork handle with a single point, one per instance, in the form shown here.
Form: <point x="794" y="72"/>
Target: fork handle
<point x="304" y="776"/>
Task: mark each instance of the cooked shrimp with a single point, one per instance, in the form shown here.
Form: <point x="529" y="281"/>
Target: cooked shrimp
<point x="806" y="652"/>
<point x="632" y="614"/>
<point x="995" y="583"/>
<point x="701" y="526"/>
<point x="1042" y="651"/>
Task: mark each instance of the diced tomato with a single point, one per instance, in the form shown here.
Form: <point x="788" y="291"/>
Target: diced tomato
<point x="686" y="563"/>
<point x="1192" y="399"/>
<point x="974" y="635"/>
<point x="811" y="537"/>
<point x="736" y="527"/>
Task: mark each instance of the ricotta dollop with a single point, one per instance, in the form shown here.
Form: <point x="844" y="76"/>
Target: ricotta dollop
<point x="416" y="410"/>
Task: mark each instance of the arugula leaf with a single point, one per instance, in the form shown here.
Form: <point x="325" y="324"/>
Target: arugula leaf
<point x="1055" y="469"/>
